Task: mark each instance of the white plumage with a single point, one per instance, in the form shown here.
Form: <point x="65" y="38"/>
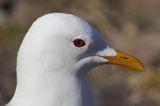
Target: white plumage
<point x="51" y="64"/>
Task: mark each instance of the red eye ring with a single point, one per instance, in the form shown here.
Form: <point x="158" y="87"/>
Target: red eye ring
<point x="79" y="42"/>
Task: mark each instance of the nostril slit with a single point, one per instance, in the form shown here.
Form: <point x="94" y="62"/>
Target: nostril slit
<point x="124" y="57"/>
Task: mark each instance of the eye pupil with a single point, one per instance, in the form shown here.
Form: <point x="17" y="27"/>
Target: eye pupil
<point x="79" y="43"/>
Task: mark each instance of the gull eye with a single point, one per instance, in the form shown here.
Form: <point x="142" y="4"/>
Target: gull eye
<point x="79" y="43"/>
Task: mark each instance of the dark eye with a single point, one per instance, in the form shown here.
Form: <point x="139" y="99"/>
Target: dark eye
<point x="79" y="42"/>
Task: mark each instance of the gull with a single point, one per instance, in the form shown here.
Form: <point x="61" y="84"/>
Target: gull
<point x="55" y="55"/>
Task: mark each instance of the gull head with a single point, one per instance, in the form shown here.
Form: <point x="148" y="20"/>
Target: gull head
<point x="55" y="55"/>
<point x="65" y="43"/>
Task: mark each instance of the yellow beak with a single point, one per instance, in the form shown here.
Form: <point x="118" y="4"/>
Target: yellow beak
<point x="125" y="60"/>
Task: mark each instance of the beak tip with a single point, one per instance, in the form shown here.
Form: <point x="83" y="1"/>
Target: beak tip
<point x="138" y="67"/>
<point x="142" y="69"/>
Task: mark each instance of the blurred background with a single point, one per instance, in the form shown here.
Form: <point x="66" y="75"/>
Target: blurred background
<point x="130" y="25"/>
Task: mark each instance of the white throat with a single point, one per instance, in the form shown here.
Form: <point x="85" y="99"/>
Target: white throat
<point x="53" y="90"/>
